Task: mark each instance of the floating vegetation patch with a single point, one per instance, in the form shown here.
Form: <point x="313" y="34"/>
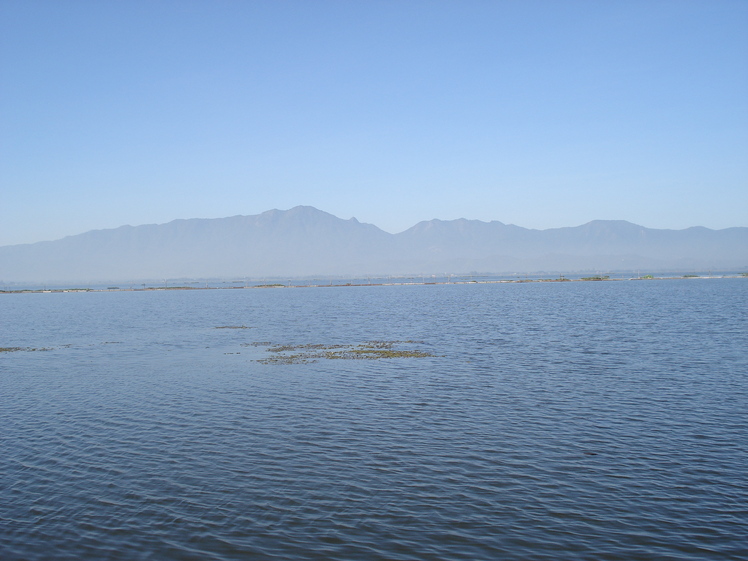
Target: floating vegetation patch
<point x="27" y="349"/>
<point x="233" y="327"/>
<point x="370" y="350"/>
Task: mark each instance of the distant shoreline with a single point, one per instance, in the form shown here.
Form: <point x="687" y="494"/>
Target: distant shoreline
<point x="291" y="284"/>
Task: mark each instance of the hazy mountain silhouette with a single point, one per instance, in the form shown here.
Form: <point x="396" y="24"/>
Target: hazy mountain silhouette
<point x="305" y="241"/>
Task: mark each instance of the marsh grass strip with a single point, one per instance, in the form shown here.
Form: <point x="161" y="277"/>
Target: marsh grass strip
<point x="313" y="352"/>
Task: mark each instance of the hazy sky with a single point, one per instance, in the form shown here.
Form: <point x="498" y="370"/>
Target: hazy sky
<point x="537" y="113"/>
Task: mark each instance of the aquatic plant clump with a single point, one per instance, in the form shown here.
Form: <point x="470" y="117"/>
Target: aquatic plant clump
<point x="27" y="349"/>
<point x="370" y="350"/>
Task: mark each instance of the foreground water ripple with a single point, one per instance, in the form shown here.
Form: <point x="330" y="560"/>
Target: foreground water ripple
<point x="569" y="421"/>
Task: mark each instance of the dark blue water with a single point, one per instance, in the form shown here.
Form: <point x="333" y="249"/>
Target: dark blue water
<point x="575" y="420"/>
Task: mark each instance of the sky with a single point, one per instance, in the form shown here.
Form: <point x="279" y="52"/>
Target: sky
<point x="540" y="113"/>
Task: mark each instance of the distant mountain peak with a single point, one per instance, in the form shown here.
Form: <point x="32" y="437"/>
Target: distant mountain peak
<point x="306" y="241"/>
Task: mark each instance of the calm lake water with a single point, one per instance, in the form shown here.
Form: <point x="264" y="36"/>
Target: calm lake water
<point x="578" y="420"/>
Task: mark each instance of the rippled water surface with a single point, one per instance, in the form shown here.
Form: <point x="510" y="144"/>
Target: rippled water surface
<point x="574" y="420"/>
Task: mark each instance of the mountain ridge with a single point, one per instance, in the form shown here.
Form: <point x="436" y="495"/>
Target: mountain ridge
<point x="305" y="241"/>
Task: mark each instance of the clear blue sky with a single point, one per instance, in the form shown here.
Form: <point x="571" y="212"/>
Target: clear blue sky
<point x="537" y="113"/>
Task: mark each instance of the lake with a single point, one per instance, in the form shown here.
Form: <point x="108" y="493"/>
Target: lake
<point x="576" y="420"/>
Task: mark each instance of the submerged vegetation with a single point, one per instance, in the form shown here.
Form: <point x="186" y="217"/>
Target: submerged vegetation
<point x="308" y="353"/>
<point x="27" y="349"/>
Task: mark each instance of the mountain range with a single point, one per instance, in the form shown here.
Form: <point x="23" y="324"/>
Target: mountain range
<point x="305" y="241"/>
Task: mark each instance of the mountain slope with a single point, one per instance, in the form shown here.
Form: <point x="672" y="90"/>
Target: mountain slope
<point x="304" y="241"/>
